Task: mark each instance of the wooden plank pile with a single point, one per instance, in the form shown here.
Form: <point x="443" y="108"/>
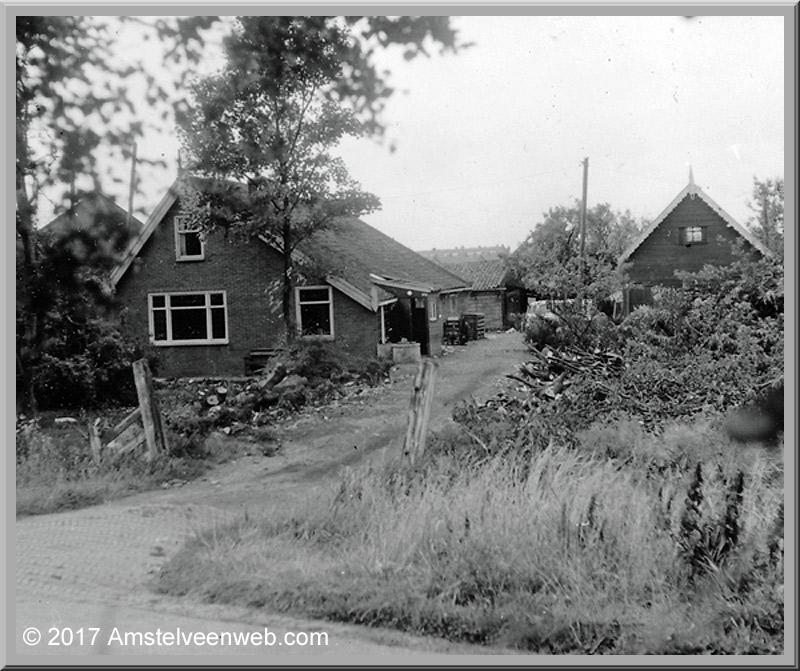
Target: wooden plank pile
<point x="548" y="373"/>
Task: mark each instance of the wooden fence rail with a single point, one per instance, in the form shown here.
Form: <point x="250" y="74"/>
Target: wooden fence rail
<point x="142" y="427"/>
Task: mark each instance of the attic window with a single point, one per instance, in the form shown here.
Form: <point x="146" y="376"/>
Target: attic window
<point x="189" y="244"/>
<point x="692" y="235"/>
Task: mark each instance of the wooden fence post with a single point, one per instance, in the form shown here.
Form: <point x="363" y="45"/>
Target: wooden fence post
<point x="151" y="417"/>
<point x="94" y="440"/>
<point x="420" y="410"/>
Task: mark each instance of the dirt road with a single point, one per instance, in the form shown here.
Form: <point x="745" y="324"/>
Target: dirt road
<point x="82" y="576"/>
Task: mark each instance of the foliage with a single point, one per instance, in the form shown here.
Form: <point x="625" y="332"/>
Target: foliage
<point x="71" y="101"/>
<point x="577" y="555"/>
<point x="81" y="359"/>
<point x="55" y="470"/>
<point x="548" y="264"/>
<point x="768" y="211"/>
<point x="319" y="361"/>
<point x="264" y="124"/>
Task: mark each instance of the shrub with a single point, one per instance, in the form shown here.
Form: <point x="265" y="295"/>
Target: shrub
<point x="88" y="371"/>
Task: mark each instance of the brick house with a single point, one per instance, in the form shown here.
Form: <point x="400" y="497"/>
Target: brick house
<point x="492" y="292"/>
<point x="207" y="305"/>
<point x="691" y="232"/>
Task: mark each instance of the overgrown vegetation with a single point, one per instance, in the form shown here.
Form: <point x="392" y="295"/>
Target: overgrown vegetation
<point x="610" y="515"/>
<point x="568" y="552"/>
<point x="56" y="470"/>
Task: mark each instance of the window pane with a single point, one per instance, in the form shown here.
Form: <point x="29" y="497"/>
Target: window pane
<point x="189" y="325"/>
<point x="315" y="320"/>
<point x="216" y="299"/>
<point x="218" y="323"/>
<point x="187" y="300"/>
<point x="190" y="244"/>
<point x="159" y="301"/>
<point x="160" y="324"/>
<point x="313" y="295"/>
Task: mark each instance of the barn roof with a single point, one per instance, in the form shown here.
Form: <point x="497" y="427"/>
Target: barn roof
<point x="691" y="190"/>
<point x="484" y="275"/>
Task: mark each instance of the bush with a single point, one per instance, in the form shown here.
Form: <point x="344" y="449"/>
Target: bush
<point x="320" y="361"/>
<point x="88" y="372"/>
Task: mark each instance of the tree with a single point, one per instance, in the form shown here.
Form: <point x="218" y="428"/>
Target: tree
<point x="767" y="219"/>
<point x="262" y="130"/>
<point x="548" y="264"/>
<point x="72" y="100"/>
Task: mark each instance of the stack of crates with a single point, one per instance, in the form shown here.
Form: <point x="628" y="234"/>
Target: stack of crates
<point x="455" y="332"/>
<point x="474" y="324"/>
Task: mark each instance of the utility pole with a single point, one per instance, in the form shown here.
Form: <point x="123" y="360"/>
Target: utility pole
<point x="133" y="188"/>
<point x="581" y="260"/>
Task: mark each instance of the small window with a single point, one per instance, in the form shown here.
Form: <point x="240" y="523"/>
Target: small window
<point x="692" y="235"/>
<point x="314" y="311"/>
<point x="196" y="318"/>
<point x="433" y="309"/>
<point x="189" y="245"/>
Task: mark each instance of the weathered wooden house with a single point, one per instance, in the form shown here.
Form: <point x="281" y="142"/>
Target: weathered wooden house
<point x="691" y="232"/>
<point x="492" y="292"/>
<point x="209" y="305"/>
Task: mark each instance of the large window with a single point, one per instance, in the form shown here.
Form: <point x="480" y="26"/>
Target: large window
<point x="189" y="244"/>
<point x="196" y="318"/>
<point x="692" y="235"/>
<point x="314" y="311"/>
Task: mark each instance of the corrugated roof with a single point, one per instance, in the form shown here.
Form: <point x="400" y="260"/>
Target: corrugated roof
<point x="484" y="275"/>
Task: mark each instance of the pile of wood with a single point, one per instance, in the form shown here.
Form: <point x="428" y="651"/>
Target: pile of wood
<point x="548" y="373"/>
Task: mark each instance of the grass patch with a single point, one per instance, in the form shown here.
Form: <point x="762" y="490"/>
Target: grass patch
<point x="55" y="470"/>
<point x="565" y="551"/>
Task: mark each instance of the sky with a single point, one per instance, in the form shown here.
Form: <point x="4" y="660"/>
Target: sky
<point x="489" y="139"/>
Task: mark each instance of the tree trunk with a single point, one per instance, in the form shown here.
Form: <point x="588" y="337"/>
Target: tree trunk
<point x="287" y="304"/>
<point x="30" y="346"/>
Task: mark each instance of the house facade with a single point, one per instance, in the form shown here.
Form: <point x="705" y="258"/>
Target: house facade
<point x="691" y="232"/>
<point x="206" y="305"/>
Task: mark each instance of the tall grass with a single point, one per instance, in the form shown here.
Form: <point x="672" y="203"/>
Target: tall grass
<point x="55" y="469"/>
<point x="567" y="551"/>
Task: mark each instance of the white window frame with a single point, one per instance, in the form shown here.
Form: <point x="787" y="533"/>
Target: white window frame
<point x="298" y="304"/>
<point x="169" y="342"/>
<point x="688" y="235"/>
<point x="433" y="309"/>
<point x="182" y="231"/>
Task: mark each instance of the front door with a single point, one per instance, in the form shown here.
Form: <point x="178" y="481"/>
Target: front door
<point x="419" y="325"/>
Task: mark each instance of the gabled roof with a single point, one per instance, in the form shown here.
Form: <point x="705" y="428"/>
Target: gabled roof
<point x="692" y="190"/>
<point x="86" y="212"/>
<point x="350" y="253"/>
<point x="484" y="275"/>
<point x="354" y="251"/>
<point x="147" y="230"/>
